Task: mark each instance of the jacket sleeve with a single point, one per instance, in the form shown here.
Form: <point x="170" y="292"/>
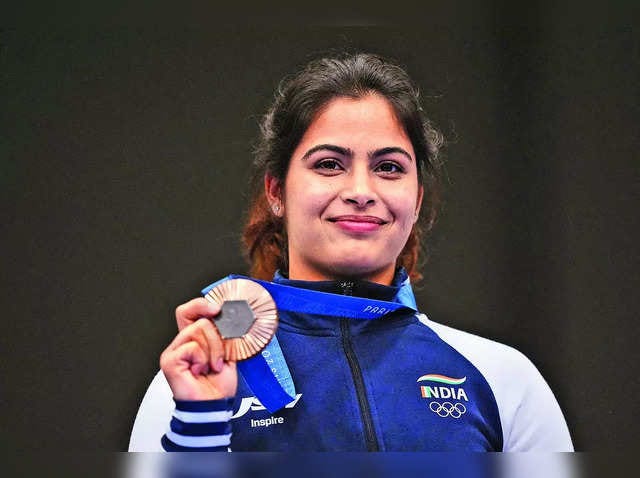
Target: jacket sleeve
<point x="199" y="426"/>
<point x="531" y="416"/>
<point x="165" y="424"/>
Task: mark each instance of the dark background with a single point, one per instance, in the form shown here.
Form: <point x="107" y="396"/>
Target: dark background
<point x="124" y="159"/>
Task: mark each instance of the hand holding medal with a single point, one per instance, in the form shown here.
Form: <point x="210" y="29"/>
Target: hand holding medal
<point x="235" y="321"/>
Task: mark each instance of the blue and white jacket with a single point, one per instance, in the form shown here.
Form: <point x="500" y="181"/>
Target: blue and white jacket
<point x="398" y="383"/>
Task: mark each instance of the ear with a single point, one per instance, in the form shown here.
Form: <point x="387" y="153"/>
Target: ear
<point x="273" y="191"/>
<point x="419" y="202"/>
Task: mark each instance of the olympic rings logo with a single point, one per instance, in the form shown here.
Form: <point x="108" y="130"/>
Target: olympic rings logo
<point x="448" y="409"/>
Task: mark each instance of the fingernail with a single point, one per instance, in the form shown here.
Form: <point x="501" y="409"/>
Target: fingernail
<point x="219" y="364"/>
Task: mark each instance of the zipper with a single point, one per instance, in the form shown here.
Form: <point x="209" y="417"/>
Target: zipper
<point x="346" y="286"/>
<point x="371" y="440"/>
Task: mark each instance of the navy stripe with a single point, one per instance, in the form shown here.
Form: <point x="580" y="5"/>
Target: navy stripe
<point x="168" y="445"/>
<point x="200" y="429"/>
<point x="224" y="404"/>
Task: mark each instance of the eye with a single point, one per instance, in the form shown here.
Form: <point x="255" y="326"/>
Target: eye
<point x="328" y="165"/>
<point x="389" y="168"/>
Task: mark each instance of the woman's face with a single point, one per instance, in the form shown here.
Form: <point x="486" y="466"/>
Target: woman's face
<point x="351" y="194"/>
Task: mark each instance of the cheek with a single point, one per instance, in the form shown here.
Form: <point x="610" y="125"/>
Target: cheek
<point x="404" y="208"/>
<point x="308" y="200"/>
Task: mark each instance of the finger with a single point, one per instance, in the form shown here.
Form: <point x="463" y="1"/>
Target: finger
<point x="205" y="333"/>
<point x="189" y="356"/>
<point x="215" y="345"/>
<point x="189" y="312"/>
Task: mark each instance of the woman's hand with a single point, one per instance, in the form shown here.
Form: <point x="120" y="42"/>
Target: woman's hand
<point x="194" y="362"/>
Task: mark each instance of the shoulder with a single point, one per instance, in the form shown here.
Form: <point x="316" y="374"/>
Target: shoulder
<point x="530" y="416"/>
<point x="493" y="358"/>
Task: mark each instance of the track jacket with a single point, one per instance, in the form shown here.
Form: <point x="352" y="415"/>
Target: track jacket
<point x="398" y="383"/>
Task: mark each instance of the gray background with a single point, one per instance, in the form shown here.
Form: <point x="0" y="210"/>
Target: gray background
<point x="124" y="161"/>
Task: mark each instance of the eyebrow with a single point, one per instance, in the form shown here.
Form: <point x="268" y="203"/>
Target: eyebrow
<point x="328" y="147"/>
<point x="349" y="152"/>
<point x="389" y="150"/>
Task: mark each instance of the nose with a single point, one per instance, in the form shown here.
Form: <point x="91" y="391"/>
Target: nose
<point x="359" y="189"/>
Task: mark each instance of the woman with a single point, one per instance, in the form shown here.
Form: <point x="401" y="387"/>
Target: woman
<point x="348" y="181"/>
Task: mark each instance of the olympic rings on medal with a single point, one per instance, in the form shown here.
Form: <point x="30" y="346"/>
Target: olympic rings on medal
<point x="448" y="409"/>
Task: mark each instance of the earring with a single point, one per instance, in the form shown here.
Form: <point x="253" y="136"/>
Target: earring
<point x="276" y="209"/>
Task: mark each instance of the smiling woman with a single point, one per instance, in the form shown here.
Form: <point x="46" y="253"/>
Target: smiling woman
<point x="351" y="195"/>
<point x="346" y="169"/>
<point x="301" y="102"/>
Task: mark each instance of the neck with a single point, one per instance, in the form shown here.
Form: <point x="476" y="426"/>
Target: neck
<point x="383" y="277"/>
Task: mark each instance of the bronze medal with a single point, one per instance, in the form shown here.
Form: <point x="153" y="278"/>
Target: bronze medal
<point x="248" y="317"/>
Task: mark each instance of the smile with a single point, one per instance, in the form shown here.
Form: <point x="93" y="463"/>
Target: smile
<point x="358" y="224"/>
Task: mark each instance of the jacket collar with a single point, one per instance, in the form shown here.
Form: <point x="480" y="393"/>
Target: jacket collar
<point x="358" y="288"/>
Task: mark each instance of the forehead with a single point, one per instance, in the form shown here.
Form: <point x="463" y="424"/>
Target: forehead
<point x="369" y="120"/>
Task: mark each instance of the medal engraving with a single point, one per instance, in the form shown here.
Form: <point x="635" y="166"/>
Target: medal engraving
<point x="248" y="317"/>
<point x="235" y="319"/>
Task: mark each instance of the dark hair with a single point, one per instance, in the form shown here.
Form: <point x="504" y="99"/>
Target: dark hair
<point x="297" y="101"/>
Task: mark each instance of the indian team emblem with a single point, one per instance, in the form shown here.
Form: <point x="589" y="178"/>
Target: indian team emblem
<point x="445" y="394"/>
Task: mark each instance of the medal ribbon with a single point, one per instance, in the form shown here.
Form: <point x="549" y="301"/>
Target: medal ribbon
<point x="267" y="373"/>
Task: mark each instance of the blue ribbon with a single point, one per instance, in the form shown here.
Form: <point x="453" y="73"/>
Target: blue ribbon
<point x="267" y="373"/>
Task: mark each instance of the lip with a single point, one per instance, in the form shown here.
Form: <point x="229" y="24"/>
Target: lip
<point x="358" y="224"/>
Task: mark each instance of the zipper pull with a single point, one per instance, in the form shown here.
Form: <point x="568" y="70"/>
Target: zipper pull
<point x="347" y="287"/>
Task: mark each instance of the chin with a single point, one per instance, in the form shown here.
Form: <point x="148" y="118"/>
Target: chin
<point x="358" y="269"/>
